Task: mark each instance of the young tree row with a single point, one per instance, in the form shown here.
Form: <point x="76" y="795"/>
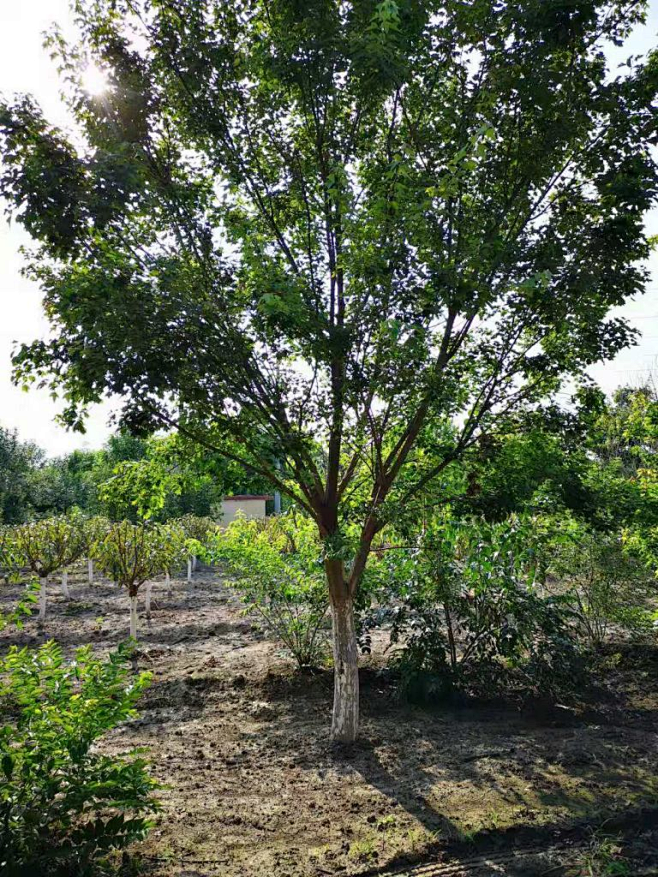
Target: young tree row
<point x="132" y="555"/>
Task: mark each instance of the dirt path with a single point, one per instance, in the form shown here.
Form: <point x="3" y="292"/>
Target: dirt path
<point x="254" y="788"/>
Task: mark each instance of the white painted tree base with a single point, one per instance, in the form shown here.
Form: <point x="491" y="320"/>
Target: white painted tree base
<point x="65" y="586"/>
<point x="90" y="571"/>
<point x="133" y="617"/>
<point x="345" y="718"/>
<point x="189" y="570"/>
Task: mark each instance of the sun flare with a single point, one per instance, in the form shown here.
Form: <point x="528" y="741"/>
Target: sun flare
<point x="94" y="80"/>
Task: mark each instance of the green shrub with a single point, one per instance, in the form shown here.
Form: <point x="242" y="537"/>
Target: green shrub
<point x="608" y="584"/>
<point x="277" y="562"/>
<point x="63" y="805"/>
<point x="467" y="615"/>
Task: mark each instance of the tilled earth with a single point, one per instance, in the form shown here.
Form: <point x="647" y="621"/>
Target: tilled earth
<point x="253" y="787"/>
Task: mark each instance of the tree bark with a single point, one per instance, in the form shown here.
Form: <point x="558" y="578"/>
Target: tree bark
<point x="133" y="616"/>
<point x="168" y="582"/>
<point x="345" y="717"/>
<point x="90" y="571"/>
<point x="65" y="586"/>
<point x="147" y="599"/>
<point x="189" y="569"/>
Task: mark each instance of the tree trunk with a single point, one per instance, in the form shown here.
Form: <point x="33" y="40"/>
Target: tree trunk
<point x="133" y="616"/>
<point x="90" y="571"/>
<point x="189" y="569"/>
<point x="345" y="717"/>
<point x="168" y="582"/>
<point x="42" y="600"/>
<point x="65" y="586"/>
<point x="147" y="599"/>
<point x="194" y="563"/>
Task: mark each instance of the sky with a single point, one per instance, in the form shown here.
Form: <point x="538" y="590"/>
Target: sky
<point x="26" y="67"/>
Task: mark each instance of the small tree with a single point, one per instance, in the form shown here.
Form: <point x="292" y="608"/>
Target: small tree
<point x="50" y="546"/>
<point x="173" y="549"/>
<point x="95" y="529"/>
<point x="131" y="554"/>
<point x="279" y="573"/>
<point x="197" y="529"/>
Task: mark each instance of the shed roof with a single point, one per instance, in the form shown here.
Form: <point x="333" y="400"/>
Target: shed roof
<point x="242" y="496"/>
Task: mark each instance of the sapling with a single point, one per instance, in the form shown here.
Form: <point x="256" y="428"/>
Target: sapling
<point x="175" y="549"/>
<point x="48" y="546"/>
<point x="132" y="554"/>
<point x="95" y="530"/>
<point x="275" y="563"/>
<point x="197" y="529"/>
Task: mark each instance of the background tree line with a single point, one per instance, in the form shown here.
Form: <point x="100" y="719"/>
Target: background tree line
<point x="596" y="459"/>
<point x="130" y="477"/>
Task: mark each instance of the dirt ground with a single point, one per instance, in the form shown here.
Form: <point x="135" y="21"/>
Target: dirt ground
<point x="254" y="788"/>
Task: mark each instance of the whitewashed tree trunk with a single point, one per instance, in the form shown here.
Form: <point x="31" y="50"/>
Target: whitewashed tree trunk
<point x="189" y="569"/>
<point x="168" y="582"/>
<point x="43" y="598"/>
<point x="90" y="571"/>
<point x="133" y="617"/>
<point x="147" y="599"/>
<point x="65" y="586"/>
<point x="345" y="716"/>
<point x="194" y="563"/>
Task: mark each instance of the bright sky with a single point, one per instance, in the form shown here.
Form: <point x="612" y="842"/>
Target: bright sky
<point x="26" y="67"/>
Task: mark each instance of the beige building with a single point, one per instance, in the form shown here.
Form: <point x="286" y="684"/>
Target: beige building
<point x="251" y="506"/>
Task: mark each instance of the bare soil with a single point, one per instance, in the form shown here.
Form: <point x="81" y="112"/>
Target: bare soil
<point x="254" y="787"/>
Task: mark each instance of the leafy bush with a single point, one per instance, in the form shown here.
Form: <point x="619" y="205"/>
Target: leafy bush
<point x="468" y="616"/>
<point x="196" y="527"/>
<point x="280" y="575"/>
<point x="62" y="806"/>
<point x="609" y="585"/>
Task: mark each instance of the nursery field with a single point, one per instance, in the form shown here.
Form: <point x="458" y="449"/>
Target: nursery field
<point x="253" y="786"/>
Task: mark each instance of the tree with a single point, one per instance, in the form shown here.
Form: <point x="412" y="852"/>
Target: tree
<point x="63" y="484"/>
<point x="197" y="531"/>
<point x="133" y="553"/>
<point x="18" y="461"/>
<point x="318" y="227"/>
<point x="48" y="546"/>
